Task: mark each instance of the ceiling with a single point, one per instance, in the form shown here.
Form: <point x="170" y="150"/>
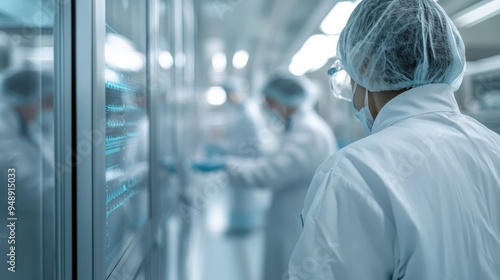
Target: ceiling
<point x="272" y="31"/>
<point x="481" y="40"/>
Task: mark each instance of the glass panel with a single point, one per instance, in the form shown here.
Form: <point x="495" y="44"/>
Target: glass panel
<point x="486" y="91"/>
<point x="26" y="140"/>
<point x="127" y="126"/>
<point x="166" y="107"/>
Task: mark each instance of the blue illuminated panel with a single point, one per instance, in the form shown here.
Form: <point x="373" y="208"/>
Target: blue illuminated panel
<point x="127" y="138"/>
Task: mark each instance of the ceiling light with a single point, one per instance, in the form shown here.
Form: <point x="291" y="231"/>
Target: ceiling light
<point x="165" y="60"/>
<point x="314" y="54"/>
<point x="116" y="48"/>
<point x="240" y="59"/>
<point x="477" y="13"/>
<point x="337" y="18"/>
<point x="216" y="96"/>
<point x="219" y="62"/>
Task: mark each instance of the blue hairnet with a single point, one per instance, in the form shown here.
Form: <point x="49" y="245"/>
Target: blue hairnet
<point x="235" y="85"/>
<point x="287" y="90"/>
<point x="399" y="44"/>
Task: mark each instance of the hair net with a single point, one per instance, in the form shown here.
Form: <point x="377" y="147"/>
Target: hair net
<point x="398" y="44"/>
<point x="287" y="90"/>
<point x="25" y="87"/>
<point x="235" y="85"/>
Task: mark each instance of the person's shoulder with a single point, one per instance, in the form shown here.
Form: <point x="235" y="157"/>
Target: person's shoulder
<point x="342" y="172"/>
<point x="351" y="154"/>
<point x="311" y="114"/>
<point x="486" y="132"/>
<point x="308" y="119"/>
<point x="356" y="164"/>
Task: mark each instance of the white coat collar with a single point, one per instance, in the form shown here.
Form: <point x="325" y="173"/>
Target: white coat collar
<point x="417" y="101"/>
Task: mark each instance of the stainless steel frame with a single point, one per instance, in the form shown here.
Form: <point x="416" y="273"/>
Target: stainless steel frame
<point x="154" y="87"/>
<point x="63" y="139"/>
<point x="84" y="79"/>
<point x="89" y="133"/>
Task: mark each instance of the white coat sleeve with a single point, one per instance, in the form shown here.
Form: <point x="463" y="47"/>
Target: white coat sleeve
<point x="346" y="234"/>
<point x="294" y="163"/>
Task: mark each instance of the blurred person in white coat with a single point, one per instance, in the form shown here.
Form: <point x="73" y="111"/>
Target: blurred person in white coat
<point x="25" y="95"/>
<point x="306" y="140"/>
<point x="243" y="123"/>
<point x="418" y="198"/>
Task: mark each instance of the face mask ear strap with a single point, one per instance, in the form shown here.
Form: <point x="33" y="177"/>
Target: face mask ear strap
<point x="367" y="105"/>
<point x="354" y="90"/>
<point x="366" y="98"/>
<point x="353" y="93"/>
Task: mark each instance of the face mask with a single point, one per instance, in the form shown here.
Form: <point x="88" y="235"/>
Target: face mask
<point x="364" y="116"/>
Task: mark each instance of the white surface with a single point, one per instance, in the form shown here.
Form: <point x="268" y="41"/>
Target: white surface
<point x="417" y="199"/>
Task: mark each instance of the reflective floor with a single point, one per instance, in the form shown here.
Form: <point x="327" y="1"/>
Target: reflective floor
<point x="232" y="258"/>
<point x="222" y="254"/>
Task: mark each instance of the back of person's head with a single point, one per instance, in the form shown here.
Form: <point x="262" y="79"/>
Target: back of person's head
<point x="235" y="85"/>
<point x="236" y="89"/>
<point x="399" y="44"/>
<point x="287" y="90"/>
<point x="24" y="87"/>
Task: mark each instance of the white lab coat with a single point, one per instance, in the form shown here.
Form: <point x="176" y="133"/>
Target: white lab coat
<point x="418" y="199"/>
<point x="242" y="125"/>
<point x="34" y="200"/>
<point x="288" y="172"/>
<point x="242" y="122"/>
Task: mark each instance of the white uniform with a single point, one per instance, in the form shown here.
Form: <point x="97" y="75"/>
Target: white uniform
<point x="243" y="123"/>
<point x="241" y="129"/>
<point x="288" y="172"/>
<point x="34" y="199"/>
<point x="418" y="199"/>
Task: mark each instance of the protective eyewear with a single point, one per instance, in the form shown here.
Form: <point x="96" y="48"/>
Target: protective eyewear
<point x="340" y="81"/>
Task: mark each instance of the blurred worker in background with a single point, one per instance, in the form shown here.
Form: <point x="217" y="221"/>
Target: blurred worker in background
<point x="25" y="96"/>
<point x="305" y="142"/>
<point x="419" y="197"/>
<point x="243" y="121"/>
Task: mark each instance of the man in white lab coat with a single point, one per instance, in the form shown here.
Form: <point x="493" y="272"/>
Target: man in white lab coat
<point x="242" y="123"/>
<point x="419" y="197"/>
<point x="306" y="140"/>
<point x="23" y="97"/>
